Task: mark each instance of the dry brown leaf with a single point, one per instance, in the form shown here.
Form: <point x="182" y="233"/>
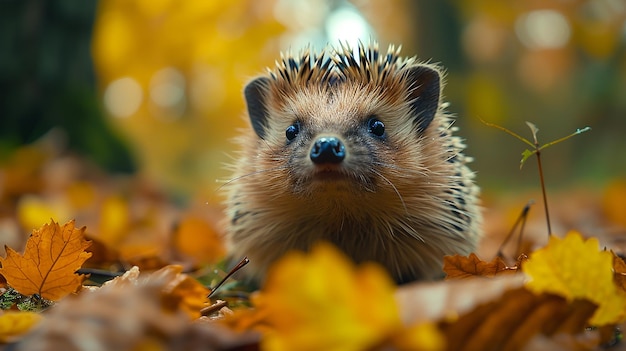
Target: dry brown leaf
<point x="102" y="256"/>
<point x="440" y="300"/>
<point x="131" y="312"/>
<point x="508" y="323"/>
<point x="147" y="262"/>
<point x="52" y="256"/>
<point x="619" y="272"/>
<point x="462" y="267"/>
<point x="587" y="341"/>
<point x="493" y="314"/>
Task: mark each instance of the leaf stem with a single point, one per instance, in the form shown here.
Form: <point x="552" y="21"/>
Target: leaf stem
<point x="543" y="191"/>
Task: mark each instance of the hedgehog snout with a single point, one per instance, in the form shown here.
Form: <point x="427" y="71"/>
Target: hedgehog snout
<point x="327" y="150"/>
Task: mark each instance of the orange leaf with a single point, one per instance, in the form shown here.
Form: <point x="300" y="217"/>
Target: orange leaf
<point x="614" y="202"/>
<point x="52" y="255"/>
<point x="462" y="267"/>
<point x="182" y="291"/>
<point x="195" y="237"/>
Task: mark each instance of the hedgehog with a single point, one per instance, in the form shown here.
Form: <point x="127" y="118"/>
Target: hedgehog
<point x="355" y="148"/>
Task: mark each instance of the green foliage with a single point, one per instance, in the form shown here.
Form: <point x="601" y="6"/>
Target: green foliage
<point x="33" y="303"/>
<point x="537" y="151"/>
<point x="535" y="145"/>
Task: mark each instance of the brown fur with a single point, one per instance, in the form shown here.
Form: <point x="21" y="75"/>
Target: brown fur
<point x="404" y="201"/>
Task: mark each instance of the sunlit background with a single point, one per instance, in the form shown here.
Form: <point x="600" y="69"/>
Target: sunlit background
<point x="153" y="87"/>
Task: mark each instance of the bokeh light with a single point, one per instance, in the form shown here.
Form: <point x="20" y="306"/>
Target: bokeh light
<point x="122" y="97"/>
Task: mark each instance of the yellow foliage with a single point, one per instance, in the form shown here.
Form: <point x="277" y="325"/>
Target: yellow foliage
<point x="322" y="301"/>
<point x="114" y="220"/>
<point x="207" y="50"/>
<point x="15" y="324"/>
<point x="576" y="269"/>
<point x="32" y="210"/>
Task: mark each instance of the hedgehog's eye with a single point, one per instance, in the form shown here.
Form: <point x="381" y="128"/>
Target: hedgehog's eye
<point x="292" y="131"/>
<point x="376" y="127"/>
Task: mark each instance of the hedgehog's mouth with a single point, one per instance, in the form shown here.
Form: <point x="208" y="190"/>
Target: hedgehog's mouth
<point x="334" y="179"/>
<point x="329" y="173"/>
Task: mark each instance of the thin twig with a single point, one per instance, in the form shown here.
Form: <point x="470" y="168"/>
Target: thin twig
<point x="520" y="219"/>
<point x="239" y="266"/>
<point x="213" y="308"/>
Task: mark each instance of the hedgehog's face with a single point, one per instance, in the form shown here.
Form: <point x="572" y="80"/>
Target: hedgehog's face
<point x="343" y="136"/>
<point x="331" y="140"/>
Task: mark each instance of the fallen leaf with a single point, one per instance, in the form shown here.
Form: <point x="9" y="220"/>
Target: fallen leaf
<point x="566" y="267"/>
<point x="619" y="272"/>
<point x="322" y="301"/>
<point x="114" y="220"/>
<point x="52" y="256"/>
<point x="564" y="342"/>
<point x="131" y="312"/>
<point x="102" y="255"/>
<point x="182" y="291"/>
<point x="446" y="300"/>
<point x="510" y="321"/>
<point x="492" y="314"/>
<point x="22" y="171"/>
<point x="614" y="202"/>
<point x="177" y="291"/>
<point x="247" y="319"/>
<point x="462" y="267"/>
<point x="196" y="238"/>
<point x="148" y="261"/>
<point x="15" y="324"/>
<point x="81" y="194"/>
<point x="32" y="210"/>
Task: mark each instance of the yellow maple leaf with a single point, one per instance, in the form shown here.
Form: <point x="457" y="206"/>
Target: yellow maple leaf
<point x="321" y="301"/>
<point x="52" y="256"/>
<point x="576" y="269"/>
<point x="15" y="324"/>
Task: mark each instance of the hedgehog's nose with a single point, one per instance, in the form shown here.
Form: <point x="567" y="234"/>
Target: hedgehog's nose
<point x="328" y="150"/>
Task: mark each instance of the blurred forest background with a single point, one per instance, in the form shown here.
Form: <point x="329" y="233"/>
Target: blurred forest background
<point x="153" y="88"/>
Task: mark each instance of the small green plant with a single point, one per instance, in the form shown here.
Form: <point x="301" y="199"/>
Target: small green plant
<point x="536" y="150"/>
<point x="11" y="298"/>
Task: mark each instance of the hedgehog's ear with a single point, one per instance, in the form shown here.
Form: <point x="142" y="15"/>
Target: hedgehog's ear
<point x="255" y="93"/>
<point x="424" y="87"/>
